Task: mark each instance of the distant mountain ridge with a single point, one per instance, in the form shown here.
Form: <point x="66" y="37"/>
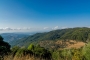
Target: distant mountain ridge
<point x="77" y="34"/>
<point x="9" y="37"/>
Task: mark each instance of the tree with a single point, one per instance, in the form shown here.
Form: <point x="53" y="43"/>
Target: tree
<point x="14" y="50"/>
<point x="86" y="51"/>
<point x="31" y="47"/>
<point x="56" y="55"/>
<point x="77" y="55"/>
<point x="4" y="47"/>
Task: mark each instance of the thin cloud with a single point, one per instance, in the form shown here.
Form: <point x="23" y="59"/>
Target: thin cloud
<point x="55" y="28"/>
<point x="45" y="27"/>
<point x="6" y="28"/>
<point x="10" y="29"/>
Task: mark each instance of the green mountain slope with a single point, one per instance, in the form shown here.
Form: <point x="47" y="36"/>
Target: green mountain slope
<point x="78" y="34"/>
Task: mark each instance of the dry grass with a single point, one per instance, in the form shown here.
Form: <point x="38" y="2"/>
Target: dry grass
<point x="27" y="57"/>
<point x="71" y="44"/>
<point x="77" y="45"/>
<point x="68" y="44"/>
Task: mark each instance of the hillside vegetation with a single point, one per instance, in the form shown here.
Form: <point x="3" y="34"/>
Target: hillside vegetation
<point x="77" y="34"/>
<point x="54" y="47"/>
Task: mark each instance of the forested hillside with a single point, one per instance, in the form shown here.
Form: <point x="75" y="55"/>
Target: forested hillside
<point x="77" y="34"/>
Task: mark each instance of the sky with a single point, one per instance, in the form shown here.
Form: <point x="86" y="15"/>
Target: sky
<point x="43" y="15"/>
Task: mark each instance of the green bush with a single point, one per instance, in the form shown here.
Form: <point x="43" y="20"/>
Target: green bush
<point x="86" y="51"/>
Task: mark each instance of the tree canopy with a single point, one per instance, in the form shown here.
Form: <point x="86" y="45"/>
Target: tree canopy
<point x="4" y="46"/>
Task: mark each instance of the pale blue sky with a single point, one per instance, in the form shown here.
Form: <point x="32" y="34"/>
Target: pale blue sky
<point x="42" y="15"/>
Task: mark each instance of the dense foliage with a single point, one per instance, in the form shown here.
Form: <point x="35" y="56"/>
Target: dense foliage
<point x="36" y="51"/>
<point x="40" y="53"/>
